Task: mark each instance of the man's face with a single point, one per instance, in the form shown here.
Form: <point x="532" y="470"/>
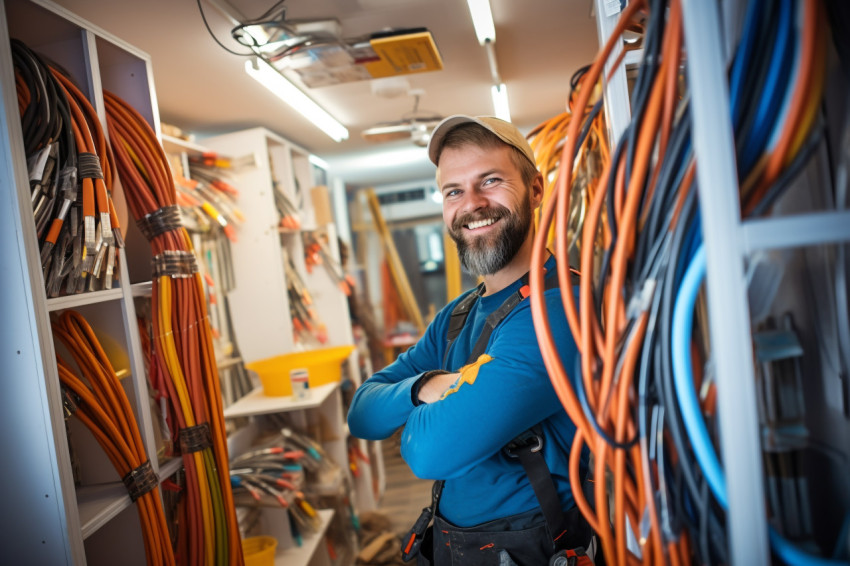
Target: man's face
<point x="486" y="207"/>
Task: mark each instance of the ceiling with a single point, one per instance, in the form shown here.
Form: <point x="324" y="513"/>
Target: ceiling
<point x="203" y="89"/>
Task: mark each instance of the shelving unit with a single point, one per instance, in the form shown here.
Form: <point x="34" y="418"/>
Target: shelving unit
<point x="57" y="521"/>
<point x="65" y="517"/>
<point x="259" y="258"/>
<point x="307" y="551"/>
<point x="54" y="516"/>
<point x="260" y="306"/>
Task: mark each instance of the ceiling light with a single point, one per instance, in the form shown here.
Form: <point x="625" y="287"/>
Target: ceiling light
<point x="318" y="162"/>
<point x="270" y="78"/>
<point x="482" y="19"/>
<point x="501" y="107"/>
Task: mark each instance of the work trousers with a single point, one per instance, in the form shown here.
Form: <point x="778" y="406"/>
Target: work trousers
<point x="518" y="540"/>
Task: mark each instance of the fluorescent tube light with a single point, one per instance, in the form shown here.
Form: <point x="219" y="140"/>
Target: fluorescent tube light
<point x="270" y="78"/>
<point x="501" y="107"/>
<point x="318" y="162"/>
<point x="482" y="19"/>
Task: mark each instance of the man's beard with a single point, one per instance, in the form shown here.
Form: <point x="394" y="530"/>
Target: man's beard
<point x="487" y="254"/>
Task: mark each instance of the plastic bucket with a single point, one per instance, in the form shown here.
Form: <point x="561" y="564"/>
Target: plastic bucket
<point x="323" y="366"/>
<point x="259" y="551"/>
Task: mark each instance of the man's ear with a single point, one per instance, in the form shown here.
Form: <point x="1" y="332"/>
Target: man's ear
<point x="537" y="191"/>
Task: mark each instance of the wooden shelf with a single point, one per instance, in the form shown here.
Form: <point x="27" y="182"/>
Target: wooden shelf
<point x="301" y="555"/>
<point x="256" y="403"/>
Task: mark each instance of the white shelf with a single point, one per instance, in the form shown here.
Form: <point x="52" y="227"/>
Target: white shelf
<point x="170" y="467"/>
<point x="81" y="299"/>
<point x="227" y="362"/>
<point x="143" y="289"/>
<point x="303" y="554"/>
<point x="256" y="403"/>
<point x="97" y="504"/>
<point x="170" y="143"/>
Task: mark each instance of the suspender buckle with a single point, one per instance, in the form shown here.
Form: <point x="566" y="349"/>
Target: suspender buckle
<point x="529" y="440"/>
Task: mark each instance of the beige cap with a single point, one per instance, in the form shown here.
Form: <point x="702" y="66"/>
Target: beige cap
<point x="505" y="131"/>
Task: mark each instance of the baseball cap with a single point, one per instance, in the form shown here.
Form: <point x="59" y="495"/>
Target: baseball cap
<point x="505" y="131"/>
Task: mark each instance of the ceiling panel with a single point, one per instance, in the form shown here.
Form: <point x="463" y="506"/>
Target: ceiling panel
<point x="202" y="88"/>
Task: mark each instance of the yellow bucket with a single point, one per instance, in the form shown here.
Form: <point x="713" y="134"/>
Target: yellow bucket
<point x="259" y="551"/>
<point x="323" y="366"/>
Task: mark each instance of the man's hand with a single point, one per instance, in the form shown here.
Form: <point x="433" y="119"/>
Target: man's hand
<point x="433" y="389"/>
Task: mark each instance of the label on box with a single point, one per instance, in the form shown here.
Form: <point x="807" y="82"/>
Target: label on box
<point x="300" y="380"/>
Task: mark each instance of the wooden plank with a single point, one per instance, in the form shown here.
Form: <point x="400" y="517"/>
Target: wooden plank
<point x="397" y="272"/>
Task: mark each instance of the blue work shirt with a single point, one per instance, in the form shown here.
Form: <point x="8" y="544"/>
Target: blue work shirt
<point x="460" y="438"/>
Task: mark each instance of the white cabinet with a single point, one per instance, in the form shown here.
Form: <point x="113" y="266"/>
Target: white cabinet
<point x="260" y="304"/>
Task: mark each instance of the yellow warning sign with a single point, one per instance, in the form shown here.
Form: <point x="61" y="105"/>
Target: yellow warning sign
<point x="404" y="54"/>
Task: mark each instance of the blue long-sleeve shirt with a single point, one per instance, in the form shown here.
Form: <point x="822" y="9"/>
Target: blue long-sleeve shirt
<point x="460" y="438"/>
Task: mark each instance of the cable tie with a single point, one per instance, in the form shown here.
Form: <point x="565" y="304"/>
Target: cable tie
<point x="140" y="481"/>
<point x="195" y="438"/>
<point x="160" y="221"/>
<point x="174" y="264"/>
<point x="88" y="165"/>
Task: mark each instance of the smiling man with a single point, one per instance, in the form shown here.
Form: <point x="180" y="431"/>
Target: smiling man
<point x="480" y="415"/>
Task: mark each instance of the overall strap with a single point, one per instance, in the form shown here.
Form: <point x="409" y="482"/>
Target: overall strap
<point x="498" y="315"/>
<point x="528" y="448"/>
<point x="459" y="315"/>
<point x="417" y="534"/>
<point x="461" y="312"/>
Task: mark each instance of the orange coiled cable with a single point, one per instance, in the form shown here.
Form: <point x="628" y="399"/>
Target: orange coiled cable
<point x="106" y="412"/>
<point x="610" y="347"/>
<point x="182" y="342"/>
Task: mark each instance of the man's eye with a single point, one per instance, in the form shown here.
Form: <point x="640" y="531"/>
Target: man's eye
<point x="451" y="193"/>
<point x="491" y="180"/>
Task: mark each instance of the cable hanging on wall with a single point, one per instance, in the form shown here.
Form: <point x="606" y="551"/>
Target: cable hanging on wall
<point x="182" y="341"/>
<point x="642" y="394"/>
<point x="93" y="394"/>
<point x="71" y="176"/>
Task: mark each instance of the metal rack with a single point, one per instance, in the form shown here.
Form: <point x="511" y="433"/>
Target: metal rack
<point x="729" y="241"/>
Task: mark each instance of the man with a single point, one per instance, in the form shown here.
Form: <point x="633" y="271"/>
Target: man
<point x="461" y="403"/>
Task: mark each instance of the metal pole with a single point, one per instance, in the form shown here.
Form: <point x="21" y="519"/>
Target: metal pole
<point x="727" y="299"/>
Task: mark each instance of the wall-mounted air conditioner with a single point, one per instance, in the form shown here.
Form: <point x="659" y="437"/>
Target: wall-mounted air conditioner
<point x="410" y="200"/>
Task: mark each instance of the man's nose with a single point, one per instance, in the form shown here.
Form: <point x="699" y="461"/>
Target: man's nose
<point x="474" y="199"/>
